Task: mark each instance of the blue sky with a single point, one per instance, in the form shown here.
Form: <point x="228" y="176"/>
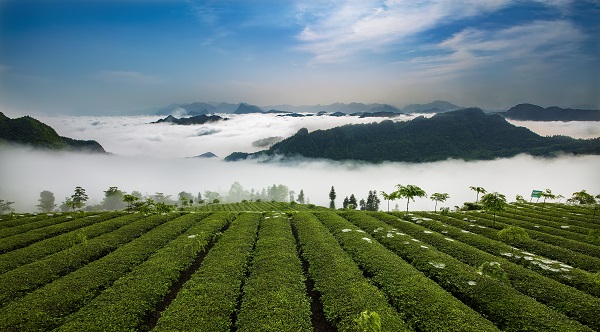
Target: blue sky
<point x="105" y="56"/>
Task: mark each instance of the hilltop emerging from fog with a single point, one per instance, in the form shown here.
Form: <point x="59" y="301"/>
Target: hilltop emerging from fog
<point x="468" y="134"/>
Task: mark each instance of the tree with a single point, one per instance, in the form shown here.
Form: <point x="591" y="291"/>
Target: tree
<point x="547" y="195"/>
<point x="494" y="202"/>
<point x="513" y="235"/>
<point x="438" y="197"/>
<point x="113" y="199"/>
<point x="352" y="202"/>
<point x="389" y="197"/>
<point x="332" y="196"/>
<point x="363" y="204"/>
<point x="409" y="192"/>
<point x="345" y="203"/>
<point x="292" y="199"/>
<point x="301" y="197"/>
<point x="5" y="206"/>
<point x="129" y="199"/>
<point x="520" y="199"/>
<point x="372" y="203"/>
<point x="479" y="190"/>
<point x="582" y="197"/>
<point x="79" y="198"/>
<point x="47" y="201"/>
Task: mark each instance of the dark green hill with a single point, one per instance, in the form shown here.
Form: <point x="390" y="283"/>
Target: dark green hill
<point x="29" y="131"/>
<point x="468" y="134"/>
<point x="529" y="112"/>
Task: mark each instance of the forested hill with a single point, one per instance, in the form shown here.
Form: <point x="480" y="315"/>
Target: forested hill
<point x="468" y="134"/>
<point x="29" y="131"/>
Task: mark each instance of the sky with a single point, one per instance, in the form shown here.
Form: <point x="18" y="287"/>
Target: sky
<point x="94" y="57"/>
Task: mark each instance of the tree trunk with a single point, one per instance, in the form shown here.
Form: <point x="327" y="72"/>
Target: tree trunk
<point x="435" y="207"/>
<point x="407" y="201"/>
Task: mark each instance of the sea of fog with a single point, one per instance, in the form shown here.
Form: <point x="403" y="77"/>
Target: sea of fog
<point x="152" y="158"/>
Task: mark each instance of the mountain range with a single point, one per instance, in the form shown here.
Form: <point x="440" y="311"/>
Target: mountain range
<point x="468" y="134"/>
<point x="29" y="131"/>
<point x="531" y="112"/>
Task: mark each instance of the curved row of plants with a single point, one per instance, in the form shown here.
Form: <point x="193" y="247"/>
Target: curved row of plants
<point x="573" y="303"/>
<point x="65" y="240"/>
<point x="492" y="298"/>
<point x="124" y="305"/>
<point x="345" y="292"/>
<point x="48" y="307"/>
<point x="556" y="252"/>
<point x="22" y="280"/>
<point x="577" y="278"/>
<point x="423" y="304"/>
<point x="64" y="224"/>
<point x="42" y="223"/>
<point x="549" y="235"/>
<point x="209" y="299"/>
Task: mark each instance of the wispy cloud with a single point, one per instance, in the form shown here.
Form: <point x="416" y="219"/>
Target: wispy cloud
<point x="531" y="47"/>
<point x="129" y="77"/>
<point x="333" y="32"/>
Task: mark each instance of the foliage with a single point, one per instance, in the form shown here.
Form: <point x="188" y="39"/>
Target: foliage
<point x="493" y="270"/>
<point x="470" y="206"/>
<point x="113" y="199"/>
<point x="513" y="235"/>
<point x="582" y="197"/>
<point x="332" y="197"/>
<point x="409" y="192"/>
<point x="494" y="202"/>
<point x="5" y="206"/>
<point x="130" y="199"/>
<point x="369" y="321"/>
<point x="47" y="201"/>
<point x="547" y="194"/>
<point x="209" y="298"/>
<point x="389" y="197"/>
<point x="78" y="199"/>
<point x="345" y="292"/>
<point x="301" y="196"/>
<point x="479" y="190"/>
<point x="372" y="202"/>
<point x="438" y="197"/>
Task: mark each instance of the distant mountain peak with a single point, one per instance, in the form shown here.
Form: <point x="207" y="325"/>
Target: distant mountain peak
<point x="244" y="108"/>
<point x="441" y="105"/>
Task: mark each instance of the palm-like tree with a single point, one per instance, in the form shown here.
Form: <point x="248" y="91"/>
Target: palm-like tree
<point x="438" y="197"/>
<point x="494" y="202"/>
<point x="547" y="194"/>
<point x="409" y="192"/>
<point x="479" y="190"/>
<point x="389" y="197"/>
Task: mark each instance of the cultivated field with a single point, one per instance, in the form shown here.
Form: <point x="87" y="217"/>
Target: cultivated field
<point x="280" y="267"/>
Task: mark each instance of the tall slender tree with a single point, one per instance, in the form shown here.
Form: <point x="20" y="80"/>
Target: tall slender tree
<point x="479" y="190"/>
<point x="389" y="197"/>
<point x="409" y="192"/>
<point x="332" y="197"/>
<point x="547" y="195"/>
<point x="301" y="196"/>
<point x="352" y="202"/>
<point x="438" y="197"/>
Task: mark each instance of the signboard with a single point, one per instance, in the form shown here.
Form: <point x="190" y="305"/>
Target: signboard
<point x="536" y="193"/>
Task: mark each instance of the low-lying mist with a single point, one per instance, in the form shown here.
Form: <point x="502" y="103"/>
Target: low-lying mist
<point x="151" y="158"/>
<point x="24" y="173"/>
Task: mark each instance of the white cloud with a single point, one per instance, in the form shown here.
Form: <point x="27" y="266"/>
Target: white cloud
<point x="129" y="77"/>
<point x="333" y="31"/>
<point x="533" y="48"/>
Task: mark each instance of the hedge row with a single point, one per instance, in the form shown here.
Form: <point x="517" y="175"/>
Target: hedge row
<point x="275" y="294"/>
<point x="577" y="278"/>
<point x="207" y="301"/>
<point x="60" y="226"/>
<point x="38" y="250"/>
<point x="578" y="215"/>
<point x="503" y="305"/>
<point x="571" y="241"/>
<point x="16" y="283"/>
<point x="43" y="224"/>
<point x="16" y="220"/>
<point x="47" y="307"/>
<point x="540" y="218"/>
<point x="345" y="292"/>
<point x="423" y="304"/>
<point x="573" y="303"/>
<point x="124" y="305"/>
<point x="555" y="252"/>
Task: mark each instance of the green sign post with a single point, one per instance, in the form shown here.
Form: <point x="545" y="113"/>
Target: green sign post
<point x="537" y="194"/>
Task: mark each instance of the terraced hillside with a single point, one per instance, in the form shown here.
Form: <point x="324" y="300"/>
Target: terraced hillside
<point x="289" y="267"/>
